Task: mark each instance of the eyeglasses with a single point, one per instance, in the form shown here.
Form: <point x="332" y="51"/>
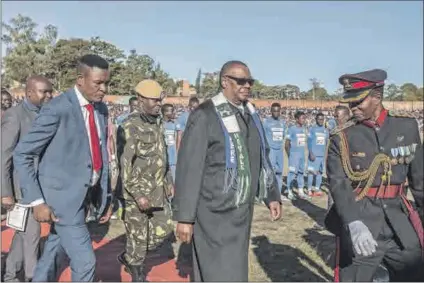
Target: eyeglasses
<point x="242" y="81"/>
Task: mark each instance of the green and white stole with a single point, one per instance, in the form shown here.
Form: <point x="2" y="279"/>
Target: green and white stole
<point x="237" y="171"/>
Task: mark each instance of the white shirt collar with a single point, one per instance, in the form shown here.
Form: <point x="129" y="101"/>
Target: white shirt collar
<point x="81" y="99"/>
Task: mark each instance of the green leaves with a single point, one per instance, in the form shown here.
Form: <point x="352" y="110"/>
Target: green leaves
<point x="30" y="53"/>
<point x="405" y="92"/>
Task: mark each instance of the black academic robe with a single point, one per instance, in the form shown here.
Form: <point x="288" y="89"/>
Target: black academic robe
<point x="221" y="230"/>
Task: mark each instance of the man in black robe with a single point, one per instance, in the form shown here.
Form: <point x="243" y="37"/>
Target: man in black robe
<point x="206" y="213"/>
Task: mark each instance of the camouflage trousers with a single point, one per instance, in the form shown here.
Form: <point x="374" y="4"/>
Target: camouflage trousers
<point x="145" y="231"/>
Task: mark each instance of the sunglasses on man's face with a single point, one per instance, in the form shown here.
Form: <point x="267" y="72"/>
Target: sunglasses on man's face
<point x="242" y="81"/>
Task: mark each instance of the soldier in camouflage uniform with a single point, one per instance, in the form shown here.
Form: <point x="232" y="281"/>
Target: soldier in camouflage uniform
<point x="146" y="180"/>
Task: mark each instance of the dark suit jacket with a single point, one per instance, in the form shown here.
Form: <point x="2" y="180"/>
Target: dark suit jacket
<point x="59" y="138"/>
<point x="14" y="125"/>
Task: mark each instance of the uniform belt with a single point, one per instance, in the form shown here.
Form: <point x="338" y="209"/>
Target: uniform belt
<point x="391" y="191"/>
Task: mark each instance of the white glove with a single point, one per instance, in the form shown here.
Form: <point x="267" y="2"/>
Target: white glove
<point x="362" y="239"/>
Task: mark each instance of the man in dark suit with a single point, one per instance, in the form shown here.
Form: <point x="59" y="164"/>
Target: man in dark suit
<point x="69" y="138"/>
<point x="369" y="159"/>
<point x="14" y="125"/>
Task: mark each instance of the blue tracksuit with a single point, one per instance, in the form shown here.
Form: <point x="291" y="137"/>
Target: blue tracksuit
<point x="331" y="124"/>
<point x="317" y="143"/>
<point x="182" y="121"/>
<point x="297" y="137"/>
<point x="275" y="132"/>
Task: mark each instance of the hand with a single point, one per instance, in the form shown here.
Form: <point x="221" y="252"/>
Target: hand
<point x="184" y="232"/>
<point x="171" y="191"/>
<point x="311" y="156"/>
<point x="8" y="202"/>
<point x="143" y="203"/>
<point x="43" y="213"/>
<point x="105" y="218"/>
<point x="362" y="239"/>
<point x="275" y="210"/>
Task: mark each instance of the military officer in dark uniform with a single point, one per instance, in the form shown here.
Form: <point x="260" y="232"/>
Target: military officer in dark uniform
<point x="369" y="159"/>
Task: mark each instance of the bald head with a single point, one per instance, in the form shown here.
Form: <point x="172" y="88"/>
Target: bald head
<point x="32" y="80"/>
<point x="38" y="90"/>
<point x="235" y="81"/>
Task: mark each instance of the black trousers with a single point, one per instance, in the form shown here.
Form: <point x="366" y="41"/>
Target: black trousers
<point x="404" y="265"/>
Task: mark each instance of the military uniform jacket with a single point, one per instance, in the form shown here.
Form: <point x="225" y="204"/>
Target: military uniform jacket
<point x="143" y="160"/>
<point x="394" y="134"/>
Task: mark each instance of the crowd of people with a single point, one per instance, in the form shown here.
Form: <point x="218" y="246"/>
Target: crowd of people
<point x="196" y="172"/>
<point x="117" y="109"/>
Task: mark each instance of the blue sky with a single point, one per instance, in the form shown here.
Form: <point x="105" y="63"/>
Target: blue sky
<point x="282" y="42"/>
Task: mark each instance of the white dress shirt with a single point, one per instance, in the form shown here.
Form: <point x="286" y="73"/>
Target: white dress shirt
<point x="95" y="176"/>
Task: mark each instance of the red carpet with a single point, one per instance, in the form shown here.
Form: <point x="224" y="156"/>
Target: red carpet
<point x="108" y="268"/>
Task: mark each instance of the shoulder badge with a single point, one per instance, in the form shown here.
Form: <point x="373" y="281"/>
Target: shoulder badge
<point x="401" y="114"/>
<point x="340" y="128"/>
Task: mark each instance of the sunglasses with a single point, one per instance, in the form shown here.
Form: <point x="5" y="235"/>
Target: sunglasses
<point x="242" y="81"/>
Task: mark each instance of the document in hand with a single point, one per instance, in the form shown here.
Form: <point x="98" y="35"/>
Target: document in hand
<point x="17" y="217"/>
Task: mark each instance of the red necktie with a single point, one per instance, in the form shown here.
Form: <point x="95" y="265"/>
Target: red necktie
<point x="96" y="154"/>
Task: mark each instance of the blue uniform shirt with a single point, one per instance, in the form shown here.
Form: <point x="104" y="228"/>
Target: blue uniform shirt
<point x="170" y="137"/>
<point x="317" y="140"/>
<point x="182" y="121"/>
<point x="331" y="124"/>
<point x="122" y="118"/>
<point x="274" y="132"/>
<point x="297" y="137"/>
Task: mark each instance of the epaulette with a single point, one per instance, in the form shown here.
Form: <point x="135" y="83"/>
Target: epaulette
<point x="340" y="128"/>
<point x="400" y="114"/>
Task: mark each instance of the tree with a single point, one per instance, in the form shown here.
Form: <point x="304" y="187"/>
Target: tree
<point x="290" y="91"/>
<point x="409" y="91"/>
<point x="319" y="92"/>
<point x="420" y="94"/>
<point x="392" y="92"/>
<point x="26" y="51"/>
<point x="62" y="63"/>
<point x="337" y="94"/>
<point x="198" y="81"/>
<point x="315" y="85"/>
<point x="108" y="51"/>
<point x="163" y="79"/>
<point x="19" y="31"/>
<point x="29" y="53"/>
<point x="210" y="84"/>
<point x="132" y="70"/>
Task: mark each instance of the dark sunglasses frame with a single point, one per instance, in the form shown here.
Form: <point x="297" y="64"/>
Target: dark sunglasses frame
<point x="242" y="81"/>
